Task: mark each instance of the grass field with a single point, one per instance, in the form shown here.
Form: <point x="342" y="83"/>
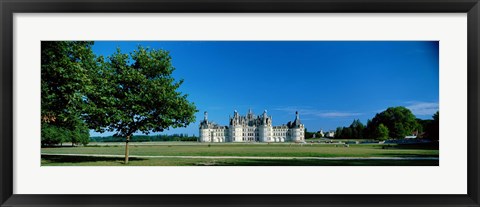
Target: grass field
<point x="241" y="150"/>
<point x="108" y="161"/>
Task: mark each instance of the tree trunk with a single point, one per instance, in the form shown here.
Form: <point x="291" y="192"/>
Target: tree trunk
<point x="126" y="149"/>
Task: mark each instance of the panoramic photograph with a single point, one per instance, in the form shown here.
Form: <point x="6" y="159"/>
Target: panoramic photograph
<point x="239" y="103"/>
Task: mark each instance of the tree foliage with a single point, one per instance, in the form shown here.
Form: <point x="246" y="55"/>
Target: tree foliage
<point x="65" y="68"/>
<point x="381" y="132"/>
<point x="354" y="131"/>
<point x="138" y="94"/>
<point x="53" y="135"/>
<point x="399" y="120"/>
<point x="338" y="133"/>
<point x="357" y="129"/>
<point x="150" y="138"/>
<point x="309" y="134"/>
<point x="432" y="128"/>
<point x="126" y="93"/>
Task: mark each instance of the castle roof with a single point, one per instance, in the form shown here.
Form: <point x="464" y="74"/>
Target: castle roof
<point x="250" y="119"/>
<point x="297" y="121"/>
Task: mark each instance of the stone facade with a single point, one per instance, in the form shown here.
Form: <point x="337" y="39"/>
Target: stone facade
<point x="251" y="128"/>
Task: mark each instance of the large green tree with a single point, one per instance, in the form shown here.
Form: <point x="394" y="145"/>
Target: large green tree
<point x="432" y="129"/>
<point x="65" y="68"/>
<point x="309" y="134"/>
<point x="137" y="93"/>
<point x="338" y="133"/>
<point x="381" y="132"/>
<point x="368" y="132"/>
<point x="399" y="120"/>
<point x="357" y="129"/>
<point x="354" y="131"/>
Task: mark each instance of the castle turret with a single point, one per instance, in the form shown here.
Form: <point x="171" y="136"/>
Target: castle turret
<point x="236" y="128"/>
<point x="297" y="122"/>
<point x="205" y="132"/>
<point x="265" y="128"/>
<point x="297" y="130"/>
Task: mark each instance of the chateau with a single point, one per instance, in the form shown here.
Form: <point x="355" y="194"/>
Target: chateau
<point x="251" y="128"/>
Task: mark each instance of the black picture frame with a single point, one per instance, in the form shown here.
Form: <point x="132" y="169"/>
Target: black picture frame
<point x="10" y="7"/>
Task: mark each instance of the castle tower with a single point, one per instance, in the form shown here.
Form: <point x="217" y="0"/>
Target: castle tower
<point x="265" y="128"/>
<point x="205" y="132"/>
<point x="297" y="130"/>
<point x="236" y="128"/>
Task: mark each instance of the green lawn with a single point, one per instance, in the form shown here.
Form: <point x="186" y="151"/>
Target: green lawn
<point x="266" y="150"/>
<point x="108" y="161"/>
<point x="338" y="140"/>
<point x="236" y="149"/>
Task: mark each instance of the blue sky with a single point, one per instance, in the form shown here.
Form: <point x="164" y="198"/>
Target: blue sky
<point x="330" y="83"/>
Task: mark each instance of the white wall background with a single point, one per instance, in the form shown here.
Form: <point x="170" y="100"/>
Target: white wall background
<point x="448" y="178"/>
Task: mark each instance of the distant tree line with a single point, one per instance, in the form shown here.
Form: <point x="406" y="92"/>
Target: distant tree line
<point x="310" y="134"/>
<point x="393" y="123"/>
<point x="147" y="138"/>
<point x="356" y="130"/>
<point x="53" y="135"/>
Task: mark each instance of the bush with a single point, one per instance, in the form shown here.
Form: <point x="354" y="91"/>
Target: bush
<point x="54" y="135"/>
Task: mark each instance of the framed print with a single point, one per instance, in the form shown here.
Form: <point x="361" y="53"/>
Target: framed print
<point x="241" y="103"/>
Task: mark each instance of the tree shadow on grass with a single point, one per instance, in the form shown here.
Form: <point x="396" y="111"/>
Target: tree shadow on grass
<point x="404" y="155"/>
<point x="314" y="162"/>
<point x="80" y="159"/>
<point x="425" y="146"/>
